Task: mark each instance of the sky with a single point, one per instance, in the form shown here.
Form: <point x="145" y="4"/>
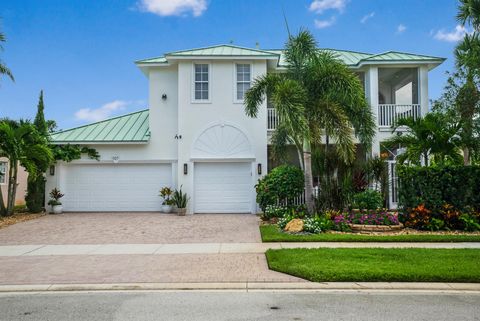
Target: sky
<point x="82" y="52"/>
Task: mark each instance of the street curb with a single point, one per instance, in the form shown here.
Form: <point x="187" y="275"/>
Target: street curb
<point x="253" y="286"/>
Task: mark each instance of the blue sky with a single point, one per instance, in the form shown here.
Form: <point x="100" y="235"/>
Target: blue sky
<point x="81" y="52"/>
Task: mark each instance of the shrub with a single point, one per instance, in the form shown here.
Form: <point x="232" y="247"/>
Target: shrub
<point x="418" y="217"/>
<point x="450" y="217"/>
<point x="436" y="186"/>
<point x="317" y="224"/>
<point x="368" y="199"/>
<point x="282" y="184"/>
<point x="470" y="223"/>
<point x="341" y="223"/>
<point x="435" y="224"/>
<point x="274" y="211"/>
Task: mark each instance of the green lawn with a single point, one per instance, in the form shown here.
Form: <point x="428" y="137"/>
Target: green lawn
<point x="271" y="233"/>
<point x="378" y="265"/>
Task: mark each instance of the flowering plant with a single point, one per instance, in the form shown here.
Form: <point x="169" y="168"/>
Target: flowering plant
<point x="380" y="217"/>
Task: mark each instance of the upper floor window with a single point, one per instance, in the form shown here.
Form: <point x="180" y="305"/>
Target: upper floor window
<point x="201" y="81"/>
<point x="243" y="81"/>
<point x="3" y="172"/>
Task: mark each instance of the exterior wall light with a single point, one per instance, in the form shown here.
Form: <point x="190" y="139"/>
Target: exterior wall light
<point x="259" y="169"/>
<point x="164" y="97"/>
<point x="52" y="170"/>
<point x="185" y="169"/>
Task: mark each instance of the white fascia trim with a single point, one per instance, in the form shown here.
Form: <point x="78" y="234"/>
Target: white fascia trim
<point x="121" y="161"/>
<point x="223" y="160"/>
<point x="221" y="58"/>
<point x="100" y="143"/>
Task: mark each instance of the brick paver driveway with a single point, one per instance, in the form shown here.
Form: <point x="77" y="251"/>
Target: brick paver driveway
<point x="133" y="228"/>
<point x="127" y="229"/>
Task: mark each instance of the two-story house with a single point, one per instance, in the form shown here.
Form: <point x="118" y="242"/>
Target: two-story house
<point x="195" y="133"/>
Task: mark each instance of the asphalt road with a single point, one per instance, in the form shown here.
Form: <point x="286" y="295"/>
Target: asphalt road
<point x="213" y="306"/>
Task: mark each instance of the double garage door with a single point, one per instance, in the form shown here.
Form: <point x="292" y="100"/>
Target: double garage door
<point x="218" y="187"/>
<point x="115" y="187"/>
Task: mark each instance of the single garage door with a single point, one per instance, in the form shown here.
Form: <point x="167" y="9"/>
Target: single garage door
<point x="115" y="187"/>
<point x="223" y="188"/>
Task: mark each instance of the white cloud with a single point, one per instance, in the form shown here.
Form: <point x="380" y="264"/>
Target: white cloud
<point x="320" y="24"/>
<point x="367" y="16"/>
<point x="452" y="36"/>
<point x="319" y="6"/>
<point x="401" y="28"/>
<point x="101" y="113"/>
<point x="173" y="7"/>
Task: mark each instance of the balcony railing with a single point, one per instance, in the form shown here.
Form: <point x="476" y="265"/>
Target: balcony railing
<point x="388" y="114"/>
<point x="272" y="119"/>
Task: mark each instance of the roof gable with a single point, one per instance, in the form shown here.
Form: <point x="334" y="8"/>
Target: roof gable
<point x="132" y="128"/>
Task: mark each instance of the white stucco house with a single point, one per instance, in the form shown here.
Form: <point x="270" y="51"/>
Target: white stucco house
<point x="195" y="133"/>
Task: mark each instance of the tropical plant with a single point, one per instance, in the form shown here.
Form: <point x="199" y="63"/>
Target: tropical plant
<point x="317" y="95"/>
<point x="55" y="196"/>
<point x="166" y="193"/>
<point x="3" y="68"/>
<point x="22" y="145"/>
<point x="180" y="199"/>
<point x="368" y="199"/>
<point x="433" y="135"/>
<point x="280" y="186"/>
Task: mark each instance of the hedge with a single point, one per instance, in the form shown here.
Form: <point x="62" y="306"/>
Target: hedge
<point x="435" y="186"/>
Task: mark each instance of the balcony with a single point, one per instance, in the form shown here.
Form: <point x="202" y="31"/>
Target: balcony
<point x="388" y="114"/>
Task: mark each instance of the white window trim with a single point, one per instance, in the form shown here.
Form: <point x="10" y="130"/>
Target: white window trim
<point x="192" y="92"/>
<point x="6" y="170"/>
<point x="235" y="100"/>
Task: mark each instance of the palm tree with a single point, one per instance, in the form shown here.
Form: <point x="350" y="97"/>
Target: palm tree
<point x="4" y="69"/>
<point x="22" y="145"/>
<point x="467" y="55"/>
<point x="469" y="12"/>
<point x="435" y="135"/>
<point x="317" y="95"/>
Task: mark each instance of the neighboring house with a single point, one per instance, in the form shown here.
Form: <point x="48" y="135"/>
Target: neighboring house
<point x="195" y="133"/>
<point x="21" y="181"/>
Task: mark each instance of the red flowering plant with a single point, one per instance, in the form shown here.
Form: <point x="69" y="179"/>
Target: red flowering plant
<point x="418" y="217"/>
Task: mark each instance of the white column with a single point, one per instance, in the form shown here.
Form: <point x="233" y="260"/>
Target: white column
<point x="371" y="92"/>
<point x="423" y="89"/>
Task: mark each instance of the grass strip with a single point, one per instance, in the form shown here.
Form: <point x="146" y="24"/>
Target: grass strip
<point x="378" y="265"/>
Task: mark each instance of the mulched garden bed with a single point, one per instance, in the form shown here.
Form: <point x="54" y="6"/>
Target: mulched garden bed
<point x="19" y="217"/>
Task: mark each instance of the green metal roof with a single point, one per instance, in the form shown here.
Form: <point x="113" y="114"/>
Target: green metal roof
<point x="127" y="128"/>
<point x="351" y="58"/>
<point x="212" y="51"/>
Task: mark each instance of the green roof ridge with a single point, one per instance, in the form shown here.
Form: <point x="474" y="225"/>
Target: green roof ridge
<point x="404" y="53"/>
<point x="220" y="45"/>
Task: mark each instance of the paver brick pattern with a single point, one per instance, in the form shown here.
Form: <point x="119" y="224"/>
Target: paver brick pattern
<point x="133" y="228"/>
<point x="139" y="269"/>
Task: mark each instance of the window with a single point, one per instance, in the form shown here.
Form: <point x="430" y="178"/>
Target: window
<point x="3" y="172"/>
<point x="201" y="82"/>
<point x="243" y="73"/>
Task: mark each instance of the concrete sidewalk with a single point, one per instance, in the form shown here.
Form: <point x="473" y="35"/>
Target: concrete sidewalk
<point x="202" y="248"/>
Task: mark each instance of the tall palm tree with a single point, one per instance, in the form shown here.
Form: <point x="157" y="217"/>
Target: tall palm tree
<point x="22" y="145"/>
<point x="317" y="95"/>
<point x="3" y="68"/>
<point x="467" y="54"/>
<point x="435" y="135"/>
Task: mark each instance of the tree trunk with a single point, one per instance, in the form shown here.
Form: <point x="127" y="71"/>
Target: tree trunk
<point x="12" y="186"/>
<point x="466" y="156"/>
<point x="3" y="209"/>
<point x="307" y="163"/>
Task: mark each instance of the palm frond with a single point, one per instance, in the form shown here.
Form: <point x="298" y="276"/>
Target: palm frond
<point x="262" y="87"/>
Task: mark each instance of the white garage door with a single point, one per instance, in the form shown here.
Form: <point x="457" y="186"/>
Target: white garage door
<point x="115" y="187"/>
<point x="223" y="188"/>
